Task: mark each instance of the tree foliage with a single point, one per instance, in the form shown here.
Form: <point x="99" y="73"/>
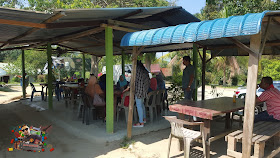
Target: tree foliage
<point x="34" y="62"/>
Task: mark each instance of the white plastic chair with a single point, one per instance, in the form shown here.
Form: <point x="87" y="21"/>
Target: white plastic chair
<point x="150" y="103"/>
<point x="179" y="131"/>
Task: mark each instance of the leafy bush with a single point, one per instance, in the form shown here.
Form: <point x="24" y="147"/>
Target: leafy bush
<point x="15" y="79"/>
<point x="234" y="80"/>
<point x="41" y="78"/>
<point x="176" y="93"/>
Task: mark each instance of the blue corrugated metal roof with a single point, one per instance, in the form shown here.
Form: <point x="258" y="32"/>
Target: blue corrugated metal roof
<point x="248" y="24"/>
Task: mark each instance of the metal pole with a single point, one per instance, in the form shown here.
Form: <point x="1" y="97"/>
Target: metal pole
<point x="109" y="80"/>
<point x="23" y="75"/>
<point x="49" y="54"/>
<point x="84" y="67"/>
<point x="123" y="64"/>
<point x="195" y="61"/>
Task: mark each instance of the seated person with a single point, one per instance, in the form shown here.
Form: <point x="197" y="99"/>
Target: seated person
<point x="153" y="84"/>
<point x="122" y="83"/>
<point x="31" y="138"/>
<point x="102" y="82"/>
<point x="271" y="96"/>
<point x="93" y="88"/>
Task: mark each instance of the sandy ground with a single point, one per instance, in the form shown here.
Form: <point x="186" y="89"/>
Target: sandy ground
<point x="71" y="139"/>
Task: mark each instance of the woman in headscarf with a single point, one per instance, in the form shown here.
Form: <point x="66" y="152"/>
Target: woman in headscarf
<point x="122" y="83"/>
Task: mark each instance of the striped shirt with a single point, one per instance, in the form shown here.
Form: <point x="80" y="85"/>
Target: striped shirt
<point x="272" y="98"/>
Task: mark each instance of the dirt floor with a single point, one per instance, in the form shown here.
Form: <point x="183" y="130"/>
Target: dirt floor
<point x="72" y="139"/>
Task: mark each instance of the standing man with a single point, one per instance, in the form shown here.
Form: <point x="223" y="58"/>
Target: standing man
<point x="188" y="78"/>
<point x="271" y="96"/>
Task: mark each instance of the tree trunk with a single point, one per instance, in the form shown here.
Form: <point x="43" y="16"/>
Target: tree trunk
<point x="94" y="65"/>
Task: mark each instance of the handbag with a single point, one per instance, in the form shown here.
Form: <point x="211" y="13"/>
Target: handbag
<point x="98" y="101"/>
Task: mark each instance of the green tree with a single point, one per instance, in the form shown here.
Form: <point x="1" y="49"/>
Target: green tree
<point x="34" y="63"/>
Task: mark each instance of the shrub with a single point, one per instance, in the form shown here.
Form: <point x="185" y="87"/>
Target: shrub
<point x="41" y="78"/>
<point x="234" y="80"/>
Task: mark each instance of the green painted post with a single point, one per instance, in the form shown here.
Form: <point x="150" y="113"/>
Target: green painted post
<point x="109" y="80"/>
<point x="84" y="67"/>
<point x="123" y="72"/>
<point x="50" y="98"/>
<point x="195" y="64"/>
<point x="23" y="74"/>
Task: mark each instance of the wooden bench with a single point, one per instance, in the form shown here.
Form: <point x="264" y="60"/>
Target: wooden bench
<point x="261" y="133"/>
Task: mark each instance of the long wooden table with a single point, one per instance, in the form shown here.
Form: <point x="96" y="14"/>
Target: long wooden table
<point x="207" y="109"/>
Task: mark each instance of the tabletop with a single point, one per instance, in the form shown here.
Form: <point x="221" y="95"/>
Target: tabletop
<point x="208" y="108"/>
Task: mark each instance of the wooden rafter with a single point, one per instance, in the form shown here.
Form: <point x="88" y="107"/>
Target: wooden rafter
<point x="51" y="19"/>
<point x="22" y="23"/>
<point x="214" y="56"/>
<point x="242" y="46"/>
<point x="128" y="24"/>
<point x="130" y="14"/>
<point x="74" y="24"/>
<point x="69" y="37"/>
<point x="118" y="28"/>
<point x="269" y="43"/>
<point x="103" y="41"/>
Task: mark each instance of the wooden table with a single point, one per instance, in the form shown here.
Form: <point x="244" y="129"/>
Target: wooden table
<point x="207" y="109"/>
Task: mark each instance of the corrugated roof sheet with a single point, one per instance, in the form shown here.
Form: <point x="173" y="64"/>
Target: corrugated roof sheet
<point x="211" y="34"/>
<point x="248" y="24"/>
<point x="152" y="17"/>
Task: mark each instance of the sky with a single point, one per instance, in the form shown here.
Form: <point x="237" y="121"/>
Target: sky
<point x="192" y="6"/>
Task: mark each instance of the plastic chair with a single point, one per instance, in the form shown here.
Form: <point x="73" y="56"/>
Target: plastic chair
<point x="121" y="106"/>
<point x="160" y="99"/>
<point x="150" y="103"/>
<point x="34" y="90"/>
<point x="179" y="131"/>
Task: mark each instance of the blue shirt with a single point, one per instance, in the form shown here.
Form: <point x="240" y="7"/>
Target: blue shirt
<point x="187" y="72"/>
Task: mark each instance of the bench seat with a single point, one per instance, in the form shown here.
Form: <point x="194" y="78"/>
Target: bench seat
<point x="261" y="133"/>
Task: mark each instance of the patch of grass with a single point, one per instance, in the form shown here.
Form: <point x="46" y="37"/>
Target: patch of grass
<point x="6" y="89"/>
<point x="126" y="142"/>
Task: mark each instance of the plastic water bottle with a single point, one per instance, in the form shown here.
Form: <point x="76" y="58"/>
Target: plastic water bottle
<point x="234" y="98"/>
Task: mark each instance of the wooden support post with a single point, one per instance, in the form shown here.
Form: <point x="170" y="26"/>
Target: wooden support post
<point x="253" y="63"/>
<point x="206" y="133"/>
<point x="23" y="75"/>
<point x="203" y="74"/>
<point x="195" y="61"/>
<point x="123" y="64"/>
<point x="132" y="92"/>
<point x="109" y="80"/>
<point x="49" y="54"/>
<point x="84" y="67"/>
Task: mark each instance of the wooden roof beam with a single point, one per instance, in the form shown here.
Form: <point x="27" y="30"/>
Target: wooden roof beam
<point x="118" y="28"/>
<point x="22" y="23"/>
<point x="69" y="37"/>
<point x="130" y="14"/>
<point x="74" y="24"/>
<point x="128" y="24"/>
<point x="51" y="19"/>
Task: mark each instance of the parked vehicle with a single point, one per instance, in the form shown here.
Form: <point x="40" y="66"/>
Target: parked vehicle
<point x="241" y="91"/>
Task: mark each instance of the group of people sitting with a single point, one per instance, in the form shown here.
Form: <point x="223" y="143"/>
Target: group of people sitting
<point x="143" y="85"/>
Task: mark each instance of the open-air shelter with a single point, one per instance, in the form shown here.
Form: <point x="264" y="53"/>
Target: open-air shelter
<point x="253" y="34"/>
<point x="95" y="31"/>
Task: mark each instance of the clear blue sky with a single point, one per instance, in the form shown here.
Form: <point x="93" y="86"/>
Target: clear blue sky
<point x="192" y="6"/>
